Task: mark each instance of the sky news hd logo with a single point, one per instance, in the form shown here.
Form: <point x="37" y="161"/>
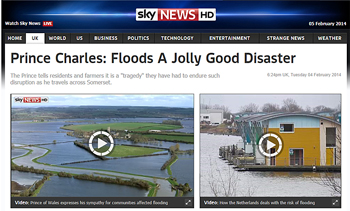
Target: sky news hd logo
<point x="31" y="99"/>
<point x="175" y="14"/>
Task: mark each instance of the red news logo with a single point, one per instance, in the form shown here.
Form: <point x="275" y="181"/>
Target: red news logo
<point x="47" y="23"/>
<point x="175" y="14"/>
<point x="31" y="99"/>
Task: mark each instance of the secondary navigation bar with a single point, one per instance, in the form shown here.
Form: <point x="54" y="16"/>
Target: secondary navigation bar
<point x="109" y="38"/>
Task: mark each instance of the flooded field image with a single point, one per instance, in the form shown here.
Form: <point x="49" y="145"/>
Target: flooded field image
<point x="148" y="150"/>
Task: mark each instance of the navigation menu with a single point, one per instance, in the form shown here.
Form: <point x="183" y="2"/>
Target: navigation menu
<point x="173" y="38"/>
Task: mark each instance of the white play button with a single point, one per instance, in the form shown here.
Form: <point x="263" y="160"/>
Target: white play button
<point x="265" y="145"/>
<point x="100" y="143"/>
<point x="269" y="145"/>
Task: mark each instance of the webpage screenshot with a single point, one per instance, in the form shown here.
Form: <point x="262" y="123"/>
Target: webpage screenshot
<point x="174" y="104"/>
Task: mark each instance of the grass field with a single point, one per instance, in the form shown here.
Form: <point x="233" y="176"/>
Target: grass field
<point x="183" y="138"/>
<point x="123" y="151"/>
<point x="134" y="126"/>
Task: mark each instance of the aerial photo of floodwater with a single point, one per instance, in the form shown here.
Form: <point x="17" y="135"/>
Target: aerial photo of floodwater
<point x="152" y="153"/>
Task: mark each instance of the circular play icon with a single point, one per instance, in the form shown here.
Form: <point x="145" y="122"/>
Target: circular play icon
<point x="103" y="140"/>
<point x="270" y="145"/>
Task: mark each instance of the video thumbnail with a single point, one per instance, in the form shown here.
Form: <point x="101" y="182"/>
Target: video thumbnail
<point x="270" y="150"/>
<point x="102" y="151"/>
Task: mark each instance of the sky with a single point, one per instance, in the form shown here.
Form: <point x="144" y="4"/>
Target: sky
<point x="235" y="101"/>
<point x="183" y="101"/>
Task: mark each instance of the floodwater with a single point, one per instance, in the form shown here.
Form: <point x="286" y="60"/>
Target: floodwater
<point x="26" y="132"/>
<point x="149" y="166"/>
<point x="40" y="138"/>
<point x="53" y="125"/>
<point x="25" y="178"/>
<point x="184" y="164"/>
<point x="215" y="172"/>
<point x="16" y="152"/>
<point x="65" y="153"/>
<point x="70" y="187"/>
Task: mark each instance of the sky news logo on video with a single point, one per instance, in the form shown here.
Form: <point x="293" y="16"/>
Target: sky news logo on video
<point x="31" y="99"/>
<point x="175" y="14"/>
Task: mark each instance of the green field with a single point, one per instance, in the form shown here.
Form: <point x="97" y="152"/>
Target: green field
<point x="123" y="151"/>
<point x="134" y="126"/>
<point x="180" y="138"/>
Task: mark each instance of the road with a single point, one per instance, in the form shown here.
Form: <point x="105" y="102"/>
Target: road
<point x="164" y="189"/>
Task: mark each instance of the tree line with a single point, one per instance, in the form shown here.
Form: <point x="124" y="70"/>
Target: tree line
<point x="132" y="182"/>
<point x="288" y="105"/>
<point x="172" y="150"/>
<point x="172" y="122"/>
<point x="29" y="169"/>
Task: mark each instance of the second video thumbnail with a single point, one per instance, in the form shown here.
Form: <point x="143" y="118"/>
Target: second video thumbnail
<point x="270" y="150"/>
